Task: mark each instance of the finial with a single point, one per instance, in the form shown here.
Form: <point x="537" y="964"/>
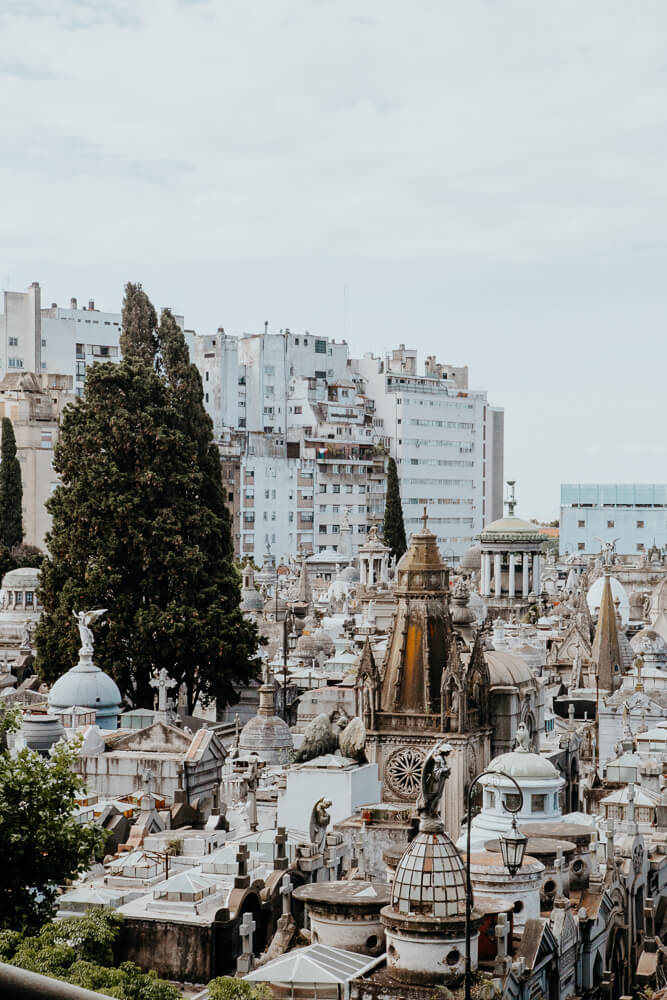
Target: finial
<point x="510" y="503"/>
<point x="425" y="517"/>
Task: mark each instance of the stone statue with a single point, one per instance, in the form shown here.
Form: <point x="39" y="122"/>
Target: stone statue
<point x="435" y="772"/>
<point x="522" y="738"/>
<point x="352" y="741"/>
<point x="319" y="822"/>
<point x="26" y="637"/>
<point x="575" y="679"/>
<point x="84" y="620"/>
<point x="461" y="590"/>
<point x="324" y="736"/>
<point x="608" y="551"/>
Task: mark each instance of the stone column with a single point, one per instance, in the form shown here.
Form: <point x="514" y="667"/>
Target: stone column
<point x="486" y="574"/>
<point x="536" y="573"/>
<point x="512" y="583"/>
<point x="525" y="583"/>
<point x="497" y="574"/>
<point x="362" y="570"/>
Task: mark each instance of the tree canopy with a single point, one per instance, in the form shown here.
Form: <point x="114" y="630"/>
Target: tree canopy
<point x="11" y="489"/>
<point x="393" y="530"/>
<point x="141" y="527"/>
<point x="79" y="950"/>
<point x="40" y="838"/>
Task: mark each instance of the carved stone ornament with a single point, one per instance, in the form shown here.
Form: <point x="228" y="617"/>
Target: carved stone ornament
<point x="403" y="772"/>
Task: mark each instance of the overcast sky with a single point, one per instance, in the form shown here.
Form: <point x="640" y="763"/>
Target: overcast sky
<point x="482" y="180"/>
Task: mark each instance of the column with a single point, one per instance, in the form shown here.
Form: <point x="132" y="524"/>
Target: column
<point x="362" y="570"/>
<point x="536" y="573"/>
<point x="497" y="574"/>
<point x="512" y="583"/>
<point x="486" y="574"/>
<point x="525" y="583"/>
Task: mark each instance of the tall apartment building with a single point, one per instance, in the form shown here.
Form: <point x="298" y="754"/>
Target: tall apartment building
<point x="635" y="514"/>
<point x="447" y="442"/>
<point x="34" y="404"/>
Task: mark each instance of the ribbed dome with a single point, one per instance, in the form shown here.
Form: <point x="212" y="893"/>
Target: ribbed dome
<point x="88" y="686"/>
<point x="523" y="764"/>
<point x="265" y="734"/>
<point x="511" y="526"/>
<point x="472" y="558"/>
<point x="430" y="878"/>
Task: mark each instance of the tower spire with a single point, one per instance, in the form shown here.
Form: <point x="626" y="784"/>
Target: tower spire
<point x="606" y="653"/>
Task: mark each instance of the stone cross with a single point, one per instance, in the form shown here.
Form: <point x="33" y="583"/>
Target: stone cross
<point x="501" y="931"/>
<point x="559" y="865"/>
<point x="252" y="781"/>
<point x="162" y="681"/>
<point x="246" y="959"/>
<point x="425" y="517"/>
<point x="286" y="893"/>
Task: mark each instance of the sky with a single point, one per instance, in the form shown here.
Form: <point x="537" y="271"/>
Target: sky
<point x="482" y="179"/>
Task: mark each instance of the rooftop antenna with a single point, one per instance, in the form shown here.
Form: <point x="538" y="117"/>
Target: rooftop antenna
<point x="266" y="326"/>
<point x="510" y="503"/>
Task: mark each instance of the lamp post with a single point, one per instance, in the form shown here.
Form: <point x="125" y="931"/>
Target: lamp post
<point x="512" y="849"/>
<point x="288" y="628"/>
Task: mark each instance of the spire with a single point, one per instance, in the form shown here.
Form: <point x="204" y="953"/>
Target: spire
<point x="305" y="595"/>
<point x="510" y="503"/>
<point x="606" y="653"/>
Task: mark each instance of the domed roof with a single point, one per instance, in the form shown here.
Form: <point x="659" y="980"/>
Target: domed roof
<point x="88" y="686"/>
<point x="649" y="641"/>
<point x="524" y="764"/>
<point x="594" y="596"/>
<point x="350" y="573"/>
<point x="24" y="578"/>
<point x="506" y="527"/>
<point x="430" y="878"/>
<point x="311" y="644"/>
<point x="507" y="669"/>
<point x="266" y="736"/>
<point x="472" y="558"/>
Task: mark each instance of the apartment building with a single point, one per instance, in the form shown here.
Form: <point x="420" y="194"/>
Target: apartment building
<point x="447" y="442"/>
<point x="634" y="514"/>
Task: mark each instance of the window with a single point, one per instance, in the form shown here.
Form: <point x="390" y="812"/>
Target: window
<point x="18" y="598"/>
<point x="335" y="530"/>
<point x="640" y="546"/>
<point x="206" y="397"/>
<point x="29" y="599"/>
<point x="640" y="524"/>
<point x="80" y="351"/>
<point x="335" y="509"/>
<point x="610" y="524"/>
<point x="81" y="369"/>
<point x="320" y="346"/>
<point x="13" y="341"/>
<point x="581" y="524"/>
<point x="16" y="362"/>
<point x="207" y="376"/>
<point x="348" y="489"/>
<point x="511" y="801"/>
<point x="323" y="488"/>
<point x="490" y="799"/>
<point x="323" y="508"/>
<point x="336" y="487"/>
<point x="290" y="516"/>
<point x="538" y="803"/>
<point x="298" y="409"/>
<point x="323" y="529"/>
<point x="580" y="546"/>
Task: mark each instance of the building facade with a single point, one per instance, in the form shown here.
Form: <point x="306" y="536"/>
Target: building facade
<point x="632" y="514"/>
<point x="447" y="442"/>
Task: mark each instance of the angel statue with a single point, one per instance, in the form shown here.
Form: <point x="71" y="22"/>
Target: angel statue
<point x="608" y="551"/>
<point x="435" y="772"/>
<point x="84" y="620"/>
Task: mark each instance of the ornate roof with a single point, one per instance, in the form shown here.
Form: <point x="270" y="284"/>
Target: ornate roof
<point x="430" y="878"/>
<point x="511" y="529"/>
<point x="524" y="764"/>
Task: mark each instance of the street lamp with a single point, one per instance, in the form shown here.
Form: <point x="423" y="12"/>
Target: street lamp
<point x="512" y="849"/>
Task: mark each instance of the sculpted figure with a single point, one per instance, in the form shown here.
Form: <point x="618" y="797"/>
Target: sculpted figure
<point x="435" y="772"/>
<point x="319" y="822"/>
<point x="84" y="620"/>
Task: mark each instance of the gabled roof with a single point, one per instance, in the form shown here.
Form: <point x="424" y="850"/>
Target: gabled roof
<point x="315" y="964"/>
<point x="537" y="942"/>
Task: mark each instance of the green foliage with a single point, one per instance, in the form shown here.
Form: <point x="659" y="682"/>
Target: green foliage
<point x="393" y="530"/>
<point x="231" y="988"/>
<point x="39" y="836"/>
<point x="141" y="527"/>
<point x="26" y="555"/>
<point x="79" y="950"/>
<point x="11" y="490"/>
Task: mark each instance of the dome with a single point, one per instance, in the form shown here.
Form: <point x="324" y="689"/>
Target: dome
<point x="649" y="641"/>
<point x="430" y="878"/>
<point x="266" y="737"/>
<point x="350" y="573"/>
<point x="88" y="686"/>
<point x="594" y="597"/>
<point x="511" y="527"/>
<point x="472" y="558"/>
<point x="24" y="578"/>
<point x="524" y="764"/>
<point x="41" y="732"/>
<point x="275" y="607"/>
<point x="507" y="669"/>
<point x="314" y="643"/>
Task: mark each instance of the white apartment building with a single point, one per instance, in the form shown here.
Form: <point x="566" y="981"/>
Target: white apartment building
<point x="447" y="442"/>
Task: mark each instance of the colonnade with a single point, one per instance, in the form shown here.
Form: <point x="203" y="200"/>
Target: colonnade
<point x="498" y="562"/>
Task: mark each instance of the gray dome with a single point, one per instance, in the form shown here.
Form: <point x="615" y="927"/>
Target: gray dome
<point x="267" y="736"/>
<point x="88" y="686"/>
<point x="41" y="732"/>
<point x="24" y="578"/>
<point x="523" y="764"/>
<point x="472" y="558"/>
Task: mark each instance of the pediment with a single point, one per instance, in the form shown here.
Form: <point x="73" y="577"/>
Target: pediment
<point x="158" y="738"/>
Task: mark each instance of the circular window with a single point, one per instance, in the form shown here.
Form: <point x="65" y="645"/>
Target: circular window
<point x="549" y="886"/>
<point x="372" y="941"/>
<point x="518" y="906"/>
<point x="403" y="772"/>
<point x="454" y="957"/>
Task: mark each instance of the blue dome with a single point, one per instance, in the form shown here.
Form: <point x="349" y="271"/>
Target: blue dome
<point x="88" y="686"/>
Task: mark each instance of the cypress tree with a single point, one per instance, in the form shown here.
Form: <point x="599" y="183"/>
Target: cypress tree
<point x="11" y="490"/>
<point x="140" y="527"/>
<point x="139" y="337"/>
<point x="394" y="529"/>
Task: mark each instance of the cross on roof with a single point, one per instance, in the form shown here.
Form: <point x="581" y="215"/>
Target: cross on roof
<point x="425" y="517"/>
<point x="162" y="681"/>
<point x="246" y="930"/>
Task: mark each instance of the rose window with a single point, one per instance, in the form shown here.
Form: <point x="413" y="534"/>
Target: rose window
<point x="403" y="772"/>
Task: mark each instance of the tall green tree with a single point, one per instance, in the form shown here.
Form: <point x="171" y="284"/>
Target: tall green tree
<point x="394" y="529"/>
<point x="39" y="833"/>
<point x="140" y="526"/>
<point x="11" y="490"/>
<point x="139" y="336"/>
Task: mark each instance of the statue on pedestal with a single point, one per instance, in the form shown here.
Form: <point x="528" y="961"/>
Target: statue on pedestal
<point x="435" y="772"/>
<point x="84" y="620"/>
